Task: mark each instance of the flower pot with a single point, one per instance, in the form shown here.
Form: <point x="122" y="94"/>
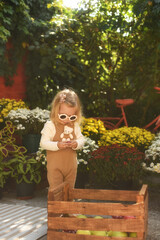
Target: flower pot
<point x="81" y="180"/>
<point x="1" y="192"/>
<point x="25" y="190"/>
<point x="31" y="142"/>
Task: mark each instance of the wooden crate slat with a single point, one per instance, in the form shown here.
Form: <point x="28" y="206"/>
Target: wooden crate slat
<point x="143" y="190"/>
<point x="90" y="208"/>
<point x="146" y="214"/>
<point x="126" y="225"/>
<point x="68" y="236"/>
<point x="115" y="195"/>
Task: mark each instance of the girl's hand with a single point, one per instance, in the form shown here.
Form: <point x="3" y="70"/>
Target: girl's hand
<point x="62" y="145"/>
<point x="69" y="144"/>
<point x="72" y="144"/>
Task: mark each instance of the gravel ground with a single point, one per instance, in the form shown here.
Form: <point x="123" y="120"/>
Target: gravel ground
<point x="153" y="216"/>
<point x="40" y="200"/>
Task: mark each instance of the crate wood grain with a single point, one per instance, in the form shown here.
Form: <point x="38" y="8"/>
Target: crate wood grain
<point x="93" y="202"/>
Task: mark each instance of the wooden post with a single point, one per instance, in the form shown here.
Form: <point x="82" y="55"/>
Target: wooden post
<point x="66" y="192"/>
<point x="142" y="197"/>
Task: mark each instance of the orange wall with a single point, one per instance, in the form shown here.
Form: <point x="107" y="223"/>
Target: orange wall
<point x="18" y="89"/>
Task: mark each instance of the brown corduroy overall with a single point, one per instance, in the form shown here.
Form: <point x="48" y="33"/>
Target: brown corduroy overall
<point x="61" y="164"/>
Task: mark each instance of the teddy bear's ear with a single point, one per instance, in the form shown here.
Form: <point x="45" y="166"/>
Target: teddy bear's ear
<point x="62" y="134"/>
<point x="71" y="136"/>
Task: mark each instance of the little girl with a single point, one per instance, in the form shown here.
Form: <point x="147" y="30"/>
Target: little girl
<point x="61" y="137"/>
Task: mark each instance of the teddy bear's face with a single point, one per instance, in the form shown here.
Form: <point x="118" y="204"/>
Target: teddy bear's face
<point x="67" y="134"/>
<point x="68" y="130"/>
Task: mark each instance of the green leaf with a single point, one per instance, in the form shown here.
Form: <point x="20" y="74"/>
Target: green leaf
<point x="4" y="151"/>
<point x="21" y="168"/>
<point x="26" y="179"/>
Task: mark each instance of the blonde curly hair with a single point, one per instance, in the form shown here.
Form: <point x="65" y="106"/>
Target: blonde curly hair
<point x="69" y="97"/>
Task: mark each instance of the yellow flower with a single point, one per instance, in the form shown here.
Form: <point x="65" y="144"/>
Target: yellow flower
<point x="127" y="136"/>
<point x="6" y="105"/>
<point x="92" y="128"/>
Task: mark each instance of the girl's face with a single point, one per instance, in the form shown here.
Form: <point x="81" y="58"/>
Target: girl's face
<point x="70" y="113"/>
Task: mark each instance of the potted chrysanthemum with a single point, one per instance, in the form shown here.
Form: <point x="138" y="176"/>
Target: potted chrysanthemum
<point x="29" y="124"/>
<point x="151" y="162"/>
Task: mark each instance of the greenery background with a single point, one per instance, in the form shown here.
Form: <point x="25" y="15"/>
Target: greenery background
<point x="106" y="51"/>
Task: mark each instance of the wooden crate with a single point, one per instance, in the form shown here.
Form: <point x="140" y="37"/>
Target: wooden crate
<point x="97" y="202"/>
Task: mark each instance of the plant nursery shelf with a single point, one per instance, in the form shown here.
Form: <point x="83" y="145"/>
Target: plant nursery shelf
<point x="129" y="207"/>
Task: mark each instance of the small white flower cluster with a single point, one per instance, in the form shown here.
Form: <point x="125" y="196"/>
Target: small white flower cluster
<point x="41" y="156"/>
<point x="83" y="154"/>
<point x="153" y="167"/>
<point x="152" y="155"/>
<point x="28" y="121"/>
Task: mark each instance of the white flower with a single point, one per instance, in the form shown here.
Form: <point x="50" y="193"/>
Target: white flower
<point x="84" y="154"/>
<point x="28" y="121"/>
<point x="80" y="160"/>
<point x="152" y="156"/>
<point x="85" y="162"/>
<point x="152" y="165"/>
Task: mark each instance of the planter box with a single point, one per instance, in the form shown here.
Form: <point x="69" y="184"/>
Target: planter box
<point x="106" y="203"/>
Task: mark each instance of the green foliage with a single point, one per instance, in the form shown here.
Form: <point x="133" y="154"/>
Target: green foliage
<point x="110" y="48"/>
<point x="13" y="159"/>
<point x="106" y="51"/>
<point x="8" y="150"/>
<point x="114" y="166"/>
<point x="26" y="168"/>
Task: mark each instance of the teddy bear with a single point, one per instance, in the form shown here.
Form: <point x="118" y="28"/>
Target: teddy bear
<point x="67" y="134"/>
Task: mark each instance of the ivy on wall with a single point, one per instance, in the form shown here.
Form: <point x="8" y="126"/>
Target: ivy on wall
<point x="21" y="23"/>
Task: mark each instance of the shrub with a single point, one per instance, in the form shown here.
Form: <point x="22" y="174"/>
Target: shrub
<point x="6" y="105"/>
<point x="110" y="166"/>
<point x="8" y="150"/>
<point x="26" y="168"/>
<point x="93" y="128"/>
<point x="127" y="136"/>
